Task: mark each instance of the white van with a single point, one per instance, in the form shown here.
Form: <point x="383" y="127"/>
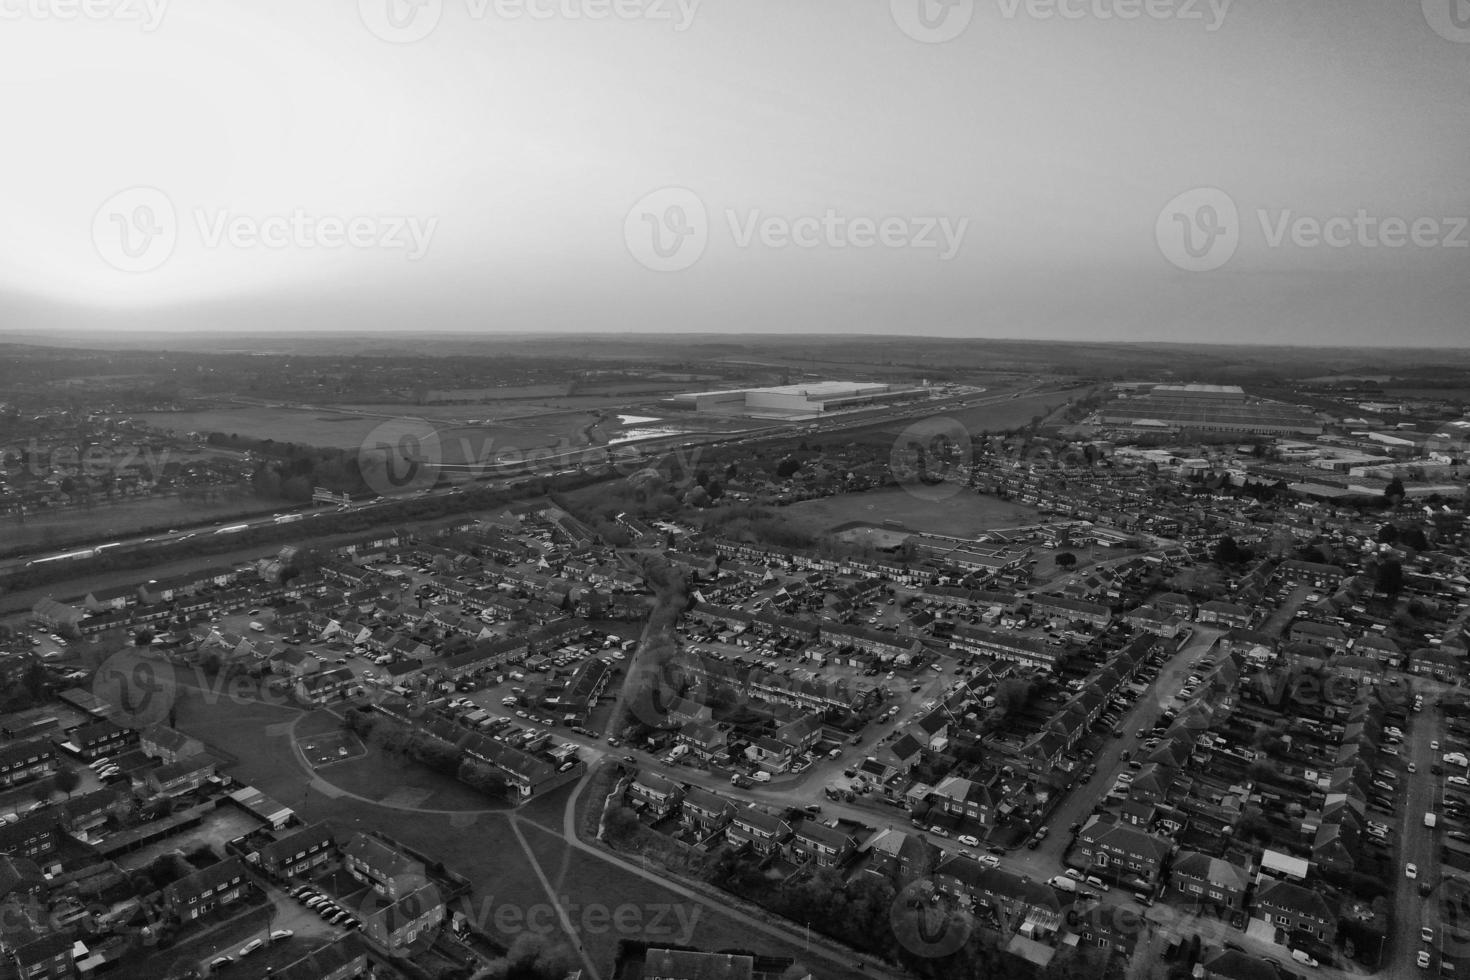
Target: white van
<point x="257" y="627"/>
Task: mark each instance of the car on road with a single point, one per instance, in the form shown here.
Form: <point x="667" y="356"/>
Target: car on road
<point x="1422" y="960"/>
<point x="938" y="831"/>
<point x="1302" y="957"/>
<point x="251" y="946"/>
<point x="1426" y="934"/>
<point x="968" y="841"/>
<point x="278" y="934"/>
<point x="1411" y="871"/>
<point x="1434" y="746"/>
<point x="220" y="962"/>
<point x="1074" y="874"/>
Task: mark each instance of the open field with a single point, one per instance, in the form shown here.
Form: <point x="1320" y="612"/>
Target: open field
<point x="965" y="515"/>
<point x="329" y="429"/>
<point x="492" y="410"/>
<point x="44" y="529"/>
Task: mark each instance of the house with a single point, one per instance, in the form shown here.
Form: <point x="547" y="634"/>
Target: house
<point x="320" y="688"/>
<point x="33" y="837"/>
<point x="1066" y="610"/>
<point x="761" y="831"/>
<point x="299" y="852"/>
<point x="21" y="762"/>
<point x="57" y="615"/>
<point x="1229" y="614"/>
<point x="184" y="776"/>
<point x="1205" y="880"/>
<point x="396" y="923"/>
<point x="900" y="856"/>
<point x="168" y="744"/>
<point x="1115" y="928"/>
<point x="47" y="958"/>
<point x="705" y="740"/>
<point x="86" y="811"/>
<point x="99" y="738"/>
<point x="1119" y="851"/>
<point x="706" y="812"/>
<point x="1296" y="909"/>
<point x="825" y="846"/>
<point x="382" y="866"/>
<point x="966" y="798"/>
<point x="201" y="892"/>
<point x="342" y="959"/>
<point x="1032" y="908"/>
<point x="654" y="794"/>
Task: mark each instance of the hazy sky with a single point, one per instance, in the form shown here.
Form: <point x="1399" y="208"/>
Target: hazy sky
<point x="1054" y="168"/>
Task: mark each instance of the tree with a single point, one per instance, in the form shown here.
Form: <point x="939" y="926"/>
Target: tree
<point x="1390" y="578"/>
<point x="1388" y="534"/>
<point x="66" y="780"/>
<point x="787" y="467"/>
<point x="1065" y="559"/>
<point x="143" y="637"/>
<point x="1394" y="492"/>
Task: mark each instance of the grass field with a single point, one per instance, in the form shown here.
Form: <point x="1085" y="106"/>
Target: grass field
<point x="964" y="515"/>
<point x="345" y="431"/>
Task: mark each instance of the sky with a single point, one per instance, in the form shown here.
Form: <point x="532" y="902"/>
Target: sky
<point x="1184" y="170"/>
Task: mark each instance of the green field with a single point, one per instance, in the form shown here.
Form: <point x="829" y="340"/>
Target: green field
<point x="966" y="514"/>
<point x="335" y="430"/>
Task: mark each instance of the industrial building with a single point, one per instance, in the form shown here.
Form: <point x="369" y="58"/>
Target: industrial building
<point x="796" y="401"/>
<point x="1208" y="408"/>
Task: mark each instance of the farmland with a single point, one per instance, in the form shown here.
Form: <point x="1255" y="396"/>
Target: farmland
<point x="966" y="514"/>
